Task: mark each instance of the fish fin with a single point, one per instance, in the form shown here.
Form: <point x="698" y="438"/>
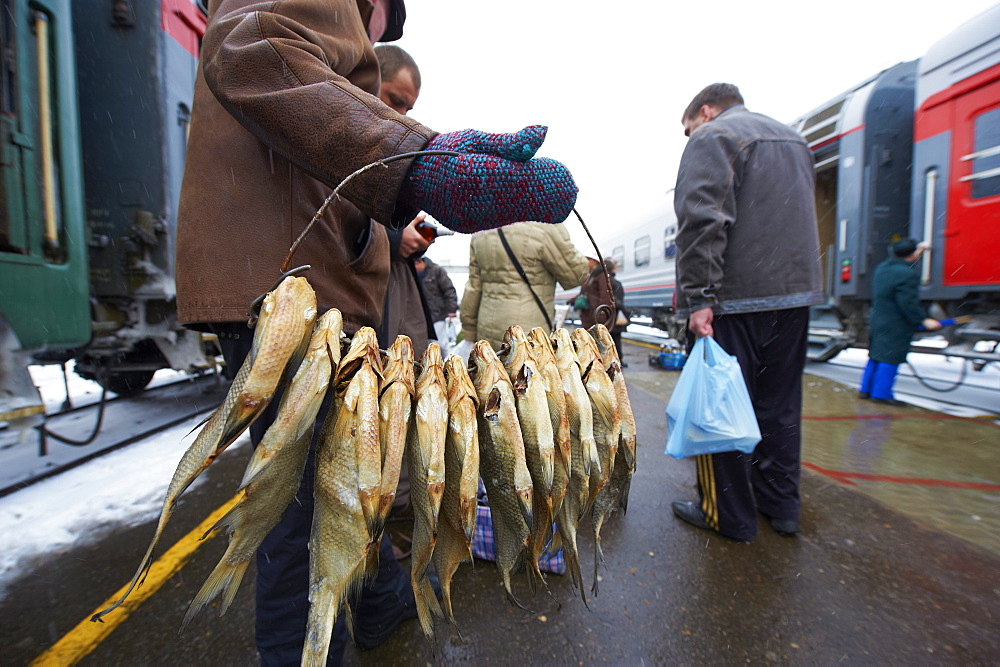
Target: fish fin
<point x="231" y="518"/>
<point x="259" y="461"/>
<point x="349" y="619"/>
<point x="201" y="423"/>
<point x="225" y="579"/>
<point x="623" y="498"/>
<point x="603" y="407"/>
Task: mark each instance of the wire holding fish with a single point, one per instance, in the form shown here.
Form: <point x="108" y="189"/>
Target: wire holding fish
<point x="336" y="193"/>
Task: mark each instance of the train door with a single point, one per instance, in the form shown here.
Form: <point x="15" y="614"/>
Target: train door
<point x="973" y="210"/>
<point x="42" y="259"/>
<point x="43" y="264"/>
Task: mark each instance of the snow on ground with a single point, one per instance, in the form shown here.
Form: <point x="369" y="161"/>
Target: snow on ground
<point x="125" y="487"/>
<point x="84" y="504"/>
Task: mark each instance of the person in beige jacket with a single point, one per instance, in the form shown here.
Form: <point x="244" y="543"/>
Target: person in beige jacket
<point x="496" y="296"/>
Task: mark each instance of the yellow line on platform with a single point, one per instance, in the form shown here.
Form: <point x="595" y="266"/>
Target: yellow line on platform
<point x="86" y="636"/>
<point x="641" y="344"/>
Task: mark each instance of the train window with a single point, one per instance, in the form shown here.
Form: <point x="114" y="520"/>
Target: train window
<point x="11" y="231"/>
<point x="670" y="242"/>
<point x="8" y="51"/>
<point x="985" y="175"/>
<point x="642" y="251"/>
<point x="619" y="254"/>
<point x="822" y="125"/>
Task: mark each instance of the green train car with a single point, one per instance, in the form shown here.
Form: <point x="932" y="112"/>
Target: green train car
<point x="95" y="98"/>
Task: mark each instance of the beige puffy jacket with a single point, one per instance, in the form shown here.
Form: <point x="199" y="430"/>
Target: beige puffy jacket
<point x="496" y="296"/>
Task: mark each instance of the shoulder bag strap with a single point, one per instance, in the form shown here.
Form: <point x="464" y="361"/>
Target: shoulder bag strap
<point x="520" y="271"/>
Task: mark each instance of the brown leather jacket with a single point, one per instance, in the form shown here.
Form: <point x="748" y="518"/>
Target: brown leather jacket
<point x="286" y="106"/>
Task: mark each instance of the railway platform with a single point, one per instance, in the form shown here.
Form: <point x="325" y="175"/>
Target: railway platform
<point x="897" y="562"/>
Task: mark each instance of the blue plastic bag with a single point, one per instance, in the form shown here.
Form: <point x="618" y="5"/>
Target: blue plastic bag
<point x="710" y="409"/>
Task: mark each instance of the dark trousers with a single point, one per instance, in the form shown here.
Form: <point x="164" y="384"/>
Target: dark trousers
<point x="734" y="487"/>
<point x="616" y="336"/>
<point x="878" y="379"/>
<point x="283" y="557"/>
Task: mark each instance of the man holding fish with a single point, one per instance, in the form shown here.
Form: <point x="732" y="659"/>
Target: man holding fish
<point x="286" y="107"/>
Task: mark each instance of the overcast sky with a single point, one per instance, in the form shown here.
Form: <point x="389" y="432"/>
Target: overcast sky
<point x="612" y="79"/>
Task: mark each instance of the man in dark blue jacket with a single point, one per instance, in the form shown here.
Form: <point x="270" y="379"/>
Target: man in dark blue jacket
<point x="896" y="315"/>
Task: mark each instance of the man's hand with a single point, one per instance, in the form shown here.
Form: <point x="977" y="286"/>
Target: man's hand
<point x="930" y="324"/>
<point x="700" y="322"/>
<point x="495" y="181"/>
<point x="412" y="241"/>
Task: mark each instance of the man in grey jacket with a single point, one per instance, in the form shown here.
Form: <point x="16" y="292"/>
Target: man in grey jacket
<point x="748" y="269"/>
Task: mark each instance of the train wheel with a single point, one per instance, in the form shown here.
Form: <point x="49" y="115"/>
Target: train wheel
<point x="126" y="383"/>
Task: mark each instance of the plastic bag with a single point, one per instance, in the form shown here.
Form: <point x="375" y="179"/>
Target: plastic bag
<point x="710" y="410"/>
<point x="463" y="349"/>
<point x="581" y="302"/>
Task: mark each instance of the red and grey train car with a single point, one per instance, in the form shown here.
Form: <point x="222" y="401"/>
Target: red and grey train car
<point x="912" y="151"/>
<point x="94" y="104"/>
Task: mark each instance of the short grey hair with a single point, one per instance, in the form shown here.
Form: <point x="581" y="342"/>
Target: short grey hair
<point x="719" y="95"/>
<point x="391" y="59"/>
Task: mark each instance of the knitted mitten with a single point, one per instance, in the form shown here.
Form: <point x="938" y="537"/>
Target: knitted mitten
<point x="494" y="183"/>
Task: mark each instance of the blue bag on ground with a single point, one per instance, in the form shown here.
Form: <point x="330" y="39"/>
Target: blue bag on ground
<point x="710" y="410"/>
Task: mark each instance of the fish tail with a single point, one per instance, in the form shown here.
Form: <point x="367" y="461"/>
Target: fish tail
<point x="322" y="614"/>
<point x="573" y="564"/>
<point x="449" y="613"/>
<point x="372" y="560"/>
<point x="421" y="592"/>
<point x="144" y="564"/>
<point x="225" y="579"/>
<point x="229" y="593"/>
<point x="598" y="554"/>
<point x="370" y="506"/>
<point x="535" y="575"/>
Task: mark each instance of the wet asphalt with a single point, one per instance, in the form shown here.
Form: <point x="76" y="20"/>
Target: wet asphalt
<point x="876" y="576"/>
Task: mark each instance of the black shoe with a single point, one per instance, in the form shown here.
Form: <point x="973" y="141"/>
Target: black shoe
<point x="784" y="527"/>
<point x="889" y="401"/>
<point x="864" y="394"/>
<point x="689" y="511"/>
<point x="624" y="364"/>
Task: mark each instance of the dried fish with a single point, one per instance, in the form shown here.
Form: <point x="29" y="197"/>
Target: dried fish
<point x="531" y="399"/>
<point x="425" y="456"/>
<point x="457" y="519"/>
<point x="502" y="462"/>
<point x="273" y="474"/>
<point x="282" y="335"/>
<point x="345" y="506"/>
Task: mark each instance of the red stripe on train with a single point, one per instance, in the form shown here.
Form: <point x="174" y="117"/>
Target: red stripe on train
<point x="184" y="22"/>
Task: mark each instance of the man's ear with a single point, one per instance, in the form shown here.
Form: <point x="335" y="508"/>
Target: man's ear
<point x="708" y="112"/>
